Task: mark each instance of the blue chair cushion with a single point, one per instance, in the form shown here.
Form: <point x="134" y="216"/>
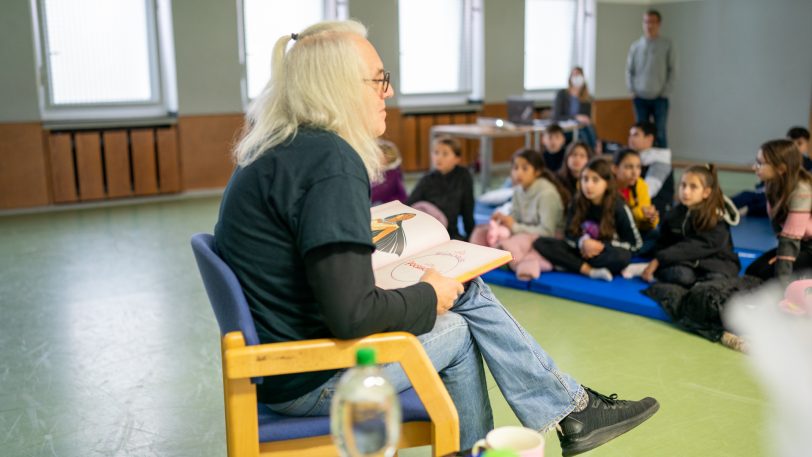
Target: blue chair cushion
<point x="276" y="427"/>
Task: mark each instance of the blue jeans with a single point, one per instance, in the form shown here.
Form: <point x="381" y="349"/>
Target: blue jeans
<point x="754" y="201"/>
<point x="538" y="393"/>
<point x="586" y="134"/>
<point x="653" y="110"/>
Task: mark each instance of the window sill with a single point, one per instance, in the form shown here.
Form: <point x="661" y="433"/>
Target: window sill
<point x="110" y="123"/>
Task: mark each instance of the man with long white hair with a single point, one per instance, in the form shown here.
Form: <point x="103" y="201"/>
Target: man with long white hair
<point x="294" y="226"/>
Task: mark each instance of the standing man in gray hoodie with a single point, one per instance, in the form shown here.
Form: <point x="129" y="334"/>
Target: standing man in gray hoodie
<point x="650" y="75"/>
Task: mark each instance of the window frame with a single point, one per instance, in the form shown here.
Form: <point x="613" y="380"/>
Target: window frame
<point x="159" y="104"/>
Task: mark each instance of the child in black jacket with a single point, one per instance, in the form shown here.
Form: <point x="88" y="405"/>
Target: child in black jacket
<point x="695" y="243"/>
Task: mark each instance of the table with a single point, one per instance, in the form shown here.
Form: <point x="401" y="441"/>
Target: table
<point x="486" y="130"/>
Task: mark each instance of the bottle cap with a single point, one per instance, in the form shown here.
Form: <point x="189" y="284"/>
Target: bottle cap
<point x="365" y="357"/>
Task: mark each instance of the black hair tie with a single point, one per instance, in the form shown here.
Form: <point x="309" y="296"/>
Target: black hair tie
<point x="294" y="36"/>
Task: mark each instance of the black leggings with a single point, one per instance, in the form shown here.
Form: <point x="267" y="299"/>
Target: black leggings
<point x="562" y="255"/>
<point x="763" y="268"/>
<point x="686" y="276"/>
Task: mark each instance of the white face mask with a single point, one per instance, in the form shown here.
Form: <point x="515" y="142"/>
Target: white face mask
<point x="577" y="80"/>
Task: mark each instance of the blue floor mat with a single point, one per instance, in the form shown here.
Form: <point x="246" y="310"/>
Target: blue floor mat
<point x="746" y="257"/>
<point x="620" y="294"/>
<point x="505" y="278"/>
<point x="751" y="237"/>
<point x="754" y="233"/>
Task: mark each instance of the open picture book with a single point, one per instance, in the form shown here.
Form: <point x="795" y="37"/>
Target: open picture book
<point x="408" y="242"/>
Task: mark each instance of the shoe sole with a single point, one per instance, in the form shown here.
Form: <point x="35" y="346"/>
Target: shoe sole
<point x="606" y="434"/>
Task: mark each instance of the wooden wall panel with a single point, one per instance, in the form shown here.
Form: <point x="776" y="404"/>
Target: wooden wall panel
<point x="393" y="126"/>
<point x="168" y="168"/>
<point x="117" y="163"/>
<point x="613" y="118"/>
<point x="89" y="166"/>
<point x="503" y="148"/>
<point x="63" y="171"/>
<point x="469" y="148"/>
<point x="23" y="166"/>
<point x="145" y="169"/>
<point x="205" y="144"/>
<point x="408" y="143"/>
<point x="424" y="123"/>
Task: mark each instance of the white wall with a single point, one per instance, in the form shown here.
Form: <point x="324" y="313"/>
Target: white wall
<point x="744" y="70"/>
<point x="744" y="75"/>
<point x="618" y="25"/>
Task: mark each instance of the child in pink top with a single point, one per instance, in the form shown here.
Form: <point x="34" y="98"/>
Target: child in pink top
<point x="789" y="202"/>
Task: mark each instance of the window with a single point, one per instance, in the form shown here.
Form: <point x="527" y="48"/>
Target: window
<point x="549" y="38"/>
<point x="441" y="55"/>
<point x="431" y="46"/>
<point x="264" y="21"/>
<point x="101" y="59"/>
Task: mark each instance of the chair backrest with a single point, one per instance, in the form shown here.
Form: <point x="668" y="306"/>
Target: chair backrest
<point x="224" y="290"/>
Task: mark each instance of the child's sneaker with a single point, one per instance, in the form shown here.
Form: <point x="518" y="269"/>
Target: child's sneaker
<point x="634" y="270"/>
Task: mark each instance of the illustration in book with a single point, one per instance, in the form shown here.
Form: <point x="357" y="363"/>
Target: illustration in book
<point x="388" y="235"/>
<point x="408" y="242"/>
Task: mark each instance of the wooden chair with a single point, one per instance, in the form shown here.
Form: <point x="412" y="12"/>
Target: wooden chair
<point x="252" y="429"/>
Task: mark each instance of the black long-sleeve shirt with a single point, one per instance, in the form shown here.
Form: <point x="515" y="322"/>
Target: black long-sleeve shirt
<point x="453" y="194"/>
<point x="353" y="307"/>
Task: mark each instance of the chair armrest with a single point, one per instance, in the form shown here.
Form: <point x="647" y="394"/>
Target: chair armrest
<point x="240" y="362"/>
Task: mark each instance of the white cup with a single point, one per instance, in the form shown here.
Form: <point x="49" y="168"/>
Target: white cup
<point x="523" y="441"/>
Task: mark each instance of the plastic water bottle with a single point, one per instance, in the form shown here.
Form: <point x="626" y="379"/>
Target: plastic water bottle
<point x="365" y="413"/>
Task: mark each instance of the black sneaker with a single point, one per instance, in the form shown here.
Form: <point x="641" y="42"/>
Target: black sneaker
<point x="604" y="419"/>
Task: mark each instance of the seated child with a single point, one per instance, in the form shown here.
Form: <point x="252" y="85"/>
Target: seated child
<point x="634" y="190"/>
<point x="538" y="210"/>
<point x="390" y="187"/>
<point x="554" y="142"/>
<point x="447" y="192"/>
<point x="657" y="170"/>
<point x="789" y="195"/>
<point x="800" y="136"/>
<point x="600" y="231"/>
<point x="695" y="242"/>
<point x="754" y="202"/>
<point x="575" y="160"/>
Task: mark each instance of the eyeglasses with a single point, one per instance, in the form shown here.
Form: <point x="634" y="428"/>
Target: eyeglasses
<point x="384" y="82"/>
<point x="758" y="164"/>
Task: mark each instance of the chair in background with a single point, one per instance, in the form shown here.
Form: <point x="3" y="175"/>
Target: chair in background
<point x="252" y="429"/>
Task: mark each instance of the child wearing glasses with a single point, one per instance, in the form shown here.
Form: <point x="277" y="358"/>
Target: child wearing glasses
<point x="788" y="187"/>
<point x="754" y="202"/>
<point x="447" y="192"/>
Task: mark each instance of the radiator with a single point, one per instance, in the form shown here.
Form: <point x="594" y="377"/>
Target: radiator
<point x="103" y="164"/>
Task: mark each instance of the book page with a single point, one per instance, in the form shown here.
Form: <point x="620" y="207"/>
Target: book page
<point x="454" y="259"/>
<point x="399" y="231"/>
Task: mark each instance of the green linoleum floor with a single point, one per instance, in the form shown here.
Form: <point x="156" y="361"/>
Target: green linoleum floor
<point x="109" y="347"/>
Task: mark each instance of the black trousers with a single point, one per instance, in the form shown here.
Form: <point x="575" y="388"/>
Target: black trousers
<point x="562" y="255"/>
<point x="686" y="276"/>
<point x="762" y="268"/>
